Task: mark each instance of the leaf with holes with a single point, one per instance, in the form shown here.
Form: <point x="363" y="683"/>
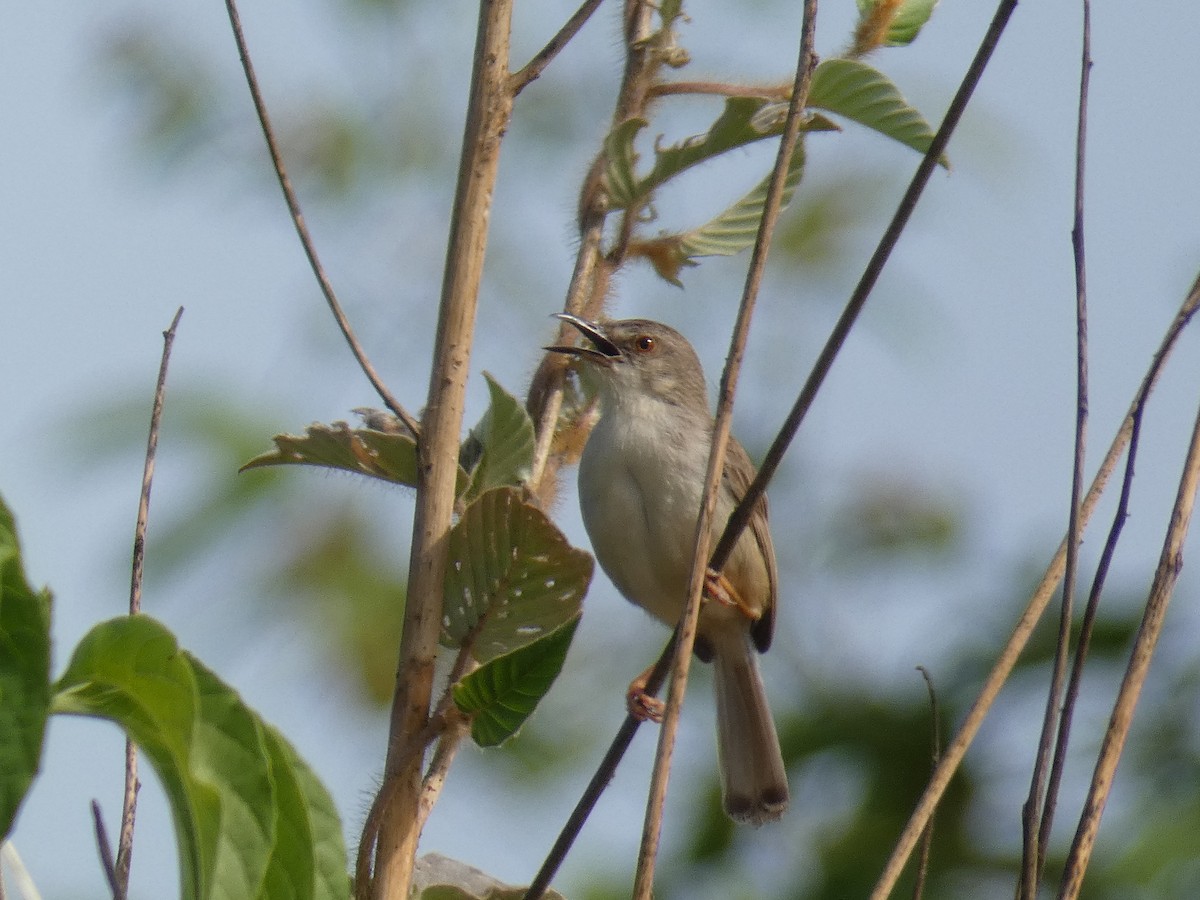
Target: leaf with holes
<point x="500" y="695"/>
<point x="24" y="674"/>
<point x="907" y="21"/>
<point x="865" y="95"/>
<point x="499" y="450"/>
<point x="512" y="577"/>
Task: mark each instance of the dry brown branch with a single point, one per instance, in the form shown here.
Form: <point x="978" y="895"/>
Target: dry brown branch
<point x="532" y="70"/>
<point x="488" y="113"/>
<point x="1169" y="565"/>
<point x="686" y="632"/>
<point x="1038" y="812"/>
<point x="1007" y="659"/>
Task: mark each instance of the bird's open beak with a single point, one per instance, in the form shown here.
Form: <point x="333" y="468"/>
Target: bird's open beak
<point x="604" y="351"/>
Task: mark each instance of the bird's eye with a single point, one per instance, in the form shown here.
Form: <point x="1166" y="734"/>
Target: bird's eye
<point x="644" y="343"/>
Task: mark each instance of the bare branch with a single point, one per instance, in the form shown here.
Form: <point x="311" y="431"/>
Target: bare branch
<point x="534" y="68"/>
<point x="935" y="755"/>
<point x="306" y="241"/>
<point x="652" y="828"/>
<point x="721" y="89"/>
<point x="1169" y="565"/>
<point x="1007" y="659"/>
<point x="488" y="112"/>
<point x="106" y="857"/>
<point x="132" y="785"/>
<point x="1038" y="813"/>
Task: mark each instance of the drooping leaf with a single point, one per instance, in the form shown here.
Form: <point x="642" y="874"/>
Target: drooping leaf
<point x="905" y="21"/>
<point x="500" y="695"/>
<point x="512" y="576"/>
<point x="438" y="877"/>
<point x="743" y="121"/>
<point x="727" y="234"/>
<point x="24" y="674"/>
<point x="250" y="818"/>
<point x="499" y="450"/>
<point x="865" y="95"/>
<point x="387" y="456"/>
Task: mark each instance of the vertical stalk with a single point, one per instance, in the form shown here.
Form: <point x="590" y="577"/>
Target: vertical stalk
<point x="488" y="114"/>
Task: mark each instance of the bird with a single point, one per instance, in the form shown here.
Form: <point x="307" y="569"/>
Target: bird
<point x="641" y="479"/>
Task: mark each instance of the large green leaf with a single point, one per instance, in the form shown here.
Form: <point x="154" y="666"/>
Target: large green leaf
<point x="906" y="21"/>
<point x="865" y="95"/>
<point x="499" y="450"/>
<point x="500" y="695"/>
<point x="24" y="674"/>
<point x="251" y="820"/>
<point x="512" y="576"/>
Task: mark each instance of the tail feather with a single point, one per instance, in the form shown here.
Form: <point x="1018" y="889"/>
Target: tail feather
<point x="753" y="779"/>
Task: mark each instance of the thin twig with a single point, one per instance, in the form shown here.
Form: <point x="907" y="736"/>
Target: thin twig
<point x="532" y="70"/>
<point x="1038" y="814"/>
<point x="935" y="756"/>
<point x="652" y="827"/>
<point x="106" y="857"/>
<point x="1040" y="598"/>
<point x="1169" y="565"/>
<point x="132" y="785"/>
<point x="858" y="299"/>
<point x="721" y="89"/>
<point x="306" y="241"/>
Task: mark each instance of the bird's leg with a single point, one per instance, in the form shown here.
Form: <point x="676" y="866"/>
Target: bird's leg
<point x="717" y="587"/>
<point x="641" y="705"/>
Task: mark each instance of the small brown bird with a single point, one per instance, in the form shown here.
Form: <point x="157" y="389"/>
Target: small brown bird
<point x="640" y="483"/>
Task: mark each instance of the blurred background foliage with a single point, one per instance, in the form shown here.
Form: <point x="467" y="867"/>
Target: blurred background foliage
<point x="370" y="128"/>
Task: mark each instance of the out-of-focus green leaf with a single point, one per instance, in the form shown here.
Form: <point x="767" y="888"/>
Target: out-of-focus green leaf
<point x="250" y="819"/>
<point x="366" y="451"/>
<point x="24" y="674"/>
<point x="865" y="95"/>
<point x="512" y="578"/>
<point x="501" y="695"/>
<point x="906" y="21"/>
<point x="499" y="450"/>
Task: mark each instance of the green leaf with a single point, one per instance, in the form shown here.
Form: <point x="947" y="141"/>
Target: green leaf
<point x="865" y="95"/>
<point x="249" y="816"/>
<point x="501" y="695"/>
<point x="737" y="227"/>
<point x="743" y="121"/>
<point x="907" y="20"/>
<point x="386" y="455"/>
<point x="24" y="674"/>
<point x="512" y="577"/>
<point x="499" y="450"/>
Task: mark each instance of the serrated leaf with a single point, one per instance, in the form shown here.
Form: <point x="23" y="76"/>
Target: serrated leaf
<point x="499" y="450"/>
<point x="865" y="95"/>
<point x="24" y="674"/>
<point x="743" y="121"/>
<point x="501" y="695"/>
<point x="249" y="817"/>
<point x="906" y="21"/>
<point x="384" y="455"/>
<point x="512" y="577"/>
